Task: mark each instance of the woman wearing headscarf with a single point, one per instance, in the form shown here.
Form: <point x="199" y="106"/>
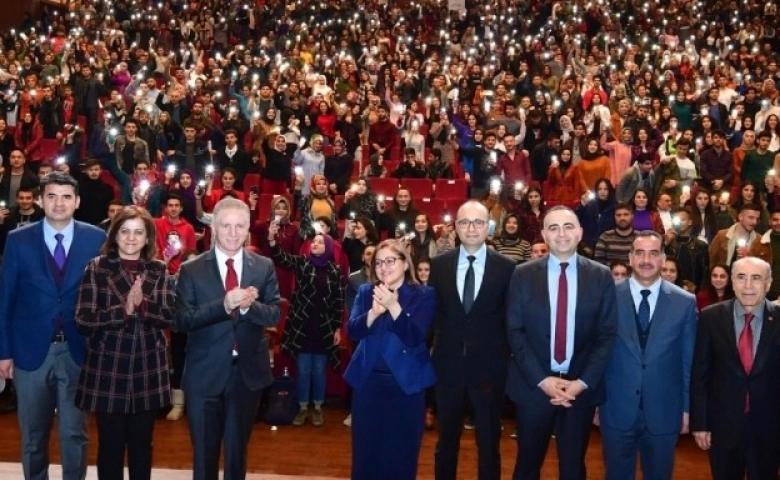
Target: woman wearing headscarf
<point x="359" y="200"/>
<point x="311" y="334"/>
<point x="509" y="242"/>
<point x="287" y="238"/>
<point x="316" y="204"/>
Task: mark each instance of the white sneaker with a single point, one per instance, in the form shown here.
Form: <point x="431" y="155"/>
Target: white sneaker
<point x="348" y="421"/>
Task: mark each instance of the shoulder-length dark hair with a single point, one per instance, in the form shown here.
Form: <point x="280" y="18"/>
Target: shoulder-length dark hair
<point x="132" y="212"/>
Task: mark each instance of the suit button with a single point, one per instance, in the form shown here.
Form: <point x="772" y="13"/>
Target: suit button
<point x="638" y="392"/>
<point x="644" y="367"/>
<point x="403" y="351"/>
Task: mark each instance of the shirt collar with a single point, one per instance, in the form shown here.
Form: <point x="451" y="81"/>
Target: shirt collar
<point x="479" y="254"/>
<point x="654" y="288"/>
<point x="50" y="231"/>
<point x="553" y="261"/>
<point x="222" y="257"/>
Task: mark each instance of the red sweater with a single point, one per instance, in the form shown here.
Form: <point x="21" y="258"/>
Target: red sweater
<point x="186" y="233"/>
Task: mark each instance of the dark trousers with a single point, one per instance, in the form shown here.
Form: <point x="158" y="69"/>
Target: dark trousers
<point x="655" y="451"/>
<point x="119" y="432"/>
<point x="487" y="402"/>
<point x="537" y="419"/>
<point x="752" y="455"/>
<point x="178" y="349"/>
<point x="387" y="429"/>
<point x="227" y="417"/>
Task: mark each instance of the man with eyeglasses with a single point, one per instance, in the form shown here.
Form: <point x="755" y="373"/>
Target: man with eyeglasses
<point x="555" y="376"/>
<point x="470" y="352"/>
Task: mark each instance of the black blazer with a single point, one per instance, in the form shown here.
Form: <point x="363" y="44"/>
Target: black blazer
<point x="719" y="383"/>
<point x="528" y="324"/>
<point x="212" y="332"/>
<point x="471" y="347"/>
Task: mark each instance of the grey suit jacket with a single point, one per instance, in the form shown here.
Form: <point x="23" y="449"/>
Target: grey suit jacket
<point x="212" y="332"/>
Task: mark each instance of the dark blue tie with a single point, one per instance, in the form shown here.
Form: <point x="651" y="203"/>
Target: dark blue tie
<point x="59" y="252"/>
<point x="644" y="311"/>
<point x="469" y="285"/>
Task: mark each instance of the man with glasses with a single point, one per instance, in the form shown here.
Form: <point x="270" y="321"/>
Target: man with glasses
<point x="470" y="352"/>
<point x="555" y="377"/>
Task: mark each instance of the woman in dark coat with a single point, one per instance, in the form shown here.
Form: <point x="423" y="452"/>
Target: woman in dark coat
<point x="125" y="304"/>
<point x="311" y="334"/>
<point x="288" y="239"/>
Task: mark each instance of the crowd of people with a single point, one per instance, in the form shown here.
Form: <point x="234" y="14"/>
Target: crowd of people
<point x="331" y="125"/>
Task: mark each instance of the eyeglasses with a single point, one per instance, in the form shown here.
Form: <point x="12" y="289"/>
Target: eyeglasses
<point x="389" y="262"/>
<point x="465" y="223"/>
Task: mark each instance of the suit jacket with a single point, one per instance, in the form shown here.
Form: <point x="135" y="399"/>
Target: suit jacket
<point x="528" y="323"/>
<point x="472" y="346"/>
<point x="212" y="332"/>
<point x="30" y="299"/>
<point x="660" y="375"/>
<point x="400" y="342"/>
<point x="719" y="383"/>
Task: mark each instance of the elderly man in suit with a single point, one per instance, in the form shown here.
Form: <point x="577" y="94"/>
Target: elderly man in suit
<point x="40" y="346"/>
<point x="470" y="351"/>
<point x="648" y="374"/>
<point x="561" y="319"/>
<point x="735" y="412"/>
<point x="225" y="300"/>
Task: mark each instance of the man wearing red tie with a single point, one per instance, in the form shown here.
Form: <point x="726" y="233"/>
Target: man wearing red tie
<point x="735" y="386"/>
<point x="225" y="298"/>
<point x="561" y="321"/>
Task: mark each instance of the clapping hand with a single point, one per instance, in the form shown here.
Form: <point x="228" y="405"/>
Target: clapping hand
<point x="384" y="299"/>
<point x="135" y="296"/>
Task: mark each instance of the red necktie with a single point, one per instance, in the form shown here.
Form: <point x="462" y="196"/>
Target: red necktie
<point x="745" y="349"/>
<point x="231" y="282"/>
<point x="559" y="352"/>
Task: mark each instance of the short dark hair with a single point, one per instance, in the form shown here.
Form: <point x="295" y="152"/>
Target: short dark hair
<point x="648" y="234"/>
<point x="624" y="206"/>
<point x="131" y="120"/>
<point x="58" y="178"/>
<point x="749" y="206"/>
<point x="92" y="162"/>
<point x="764" y="134"/>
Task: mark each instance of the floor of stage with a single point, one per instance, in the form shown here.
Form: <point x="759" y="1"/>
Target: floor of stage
<point x="290" y="453"/>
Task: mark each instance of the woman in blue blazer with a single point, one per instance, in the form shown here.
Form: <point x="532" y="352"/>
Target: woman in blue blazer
<point x="391" y="367"/>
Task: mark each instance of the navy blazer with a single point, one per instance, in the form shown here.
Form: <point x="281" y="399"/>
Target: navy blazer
<point x="400" y="342"/>
<point x="659" y="376"/>
<point x="212" y="332"/>
<point x="528" y="324"/>
<point x="30" y="299"/>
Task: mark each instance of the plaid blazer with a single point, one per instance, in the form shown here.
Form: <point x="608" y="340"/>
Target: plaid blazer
<point x="126" y="368"/>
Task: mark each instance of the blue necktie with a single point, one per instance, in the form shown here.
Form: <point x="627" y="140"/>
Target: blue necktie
<point x="644" y="311"/>
<point x="59" y="252"/>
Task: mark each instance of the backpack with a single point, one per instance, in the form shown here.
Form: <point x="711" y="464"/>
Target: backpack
<point x="282" y="405"/>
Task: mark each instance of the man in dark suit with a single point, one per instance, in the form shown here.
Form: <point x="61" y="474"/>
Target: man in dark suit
<point x="470" y="350"/>
<point x="735" y="412"/>
<point x="225" y="299"/>
<point x="648" y="374"/>
<point x="561" y="320"/>
<point x="40" y="347"/>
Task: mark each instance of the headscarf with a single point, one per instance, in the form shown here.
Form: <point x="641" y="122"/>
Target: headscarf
<point x="276" y="201"/>
<point x="327" y="255"/>
<point x="507" y="238"/>
<point x="312" y="182"/>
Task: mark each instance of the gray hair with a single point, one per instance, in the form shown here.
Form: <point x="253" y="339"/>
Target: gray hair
<point x="224" y="205"/>
<point x="755" y="260"/>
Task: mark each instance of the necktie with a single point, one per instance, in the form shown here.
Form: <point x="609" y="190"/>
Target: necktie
<point x="231" y="282"/>
<point x="561" y="316"/>
<point x="59" y="252"/>
<point x="231" y="278"/>
<point x="745" y="349"/>
<point x="644" y="311"/>
<point x="469" y="285"/>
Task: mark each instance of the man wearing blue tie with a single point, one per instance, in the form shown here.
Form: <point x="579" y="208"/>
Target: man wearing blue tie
<point x="40" y="347"/>
<point x="648" y="375"/>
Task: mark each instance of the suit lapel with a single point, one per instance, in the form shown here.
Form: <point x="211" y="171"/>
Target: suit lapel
<point x="768" y="330"/>
<point x="659" y="315"/>
<point x="455" y="297"/>
<point x="211" y="264"/>
<point x="626" y="304"/>
<point x="542" y="292"/>
<point x="246" y="271"/>
<point x="726" y="323"/>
